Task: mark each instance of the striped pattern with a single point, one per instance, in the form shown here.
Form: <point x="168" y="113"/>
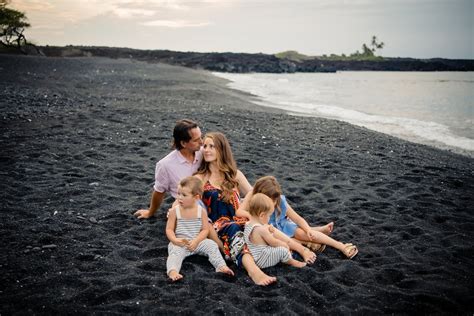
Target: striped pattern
<point x="264" y="255"/>
<point x="189" y="229"/>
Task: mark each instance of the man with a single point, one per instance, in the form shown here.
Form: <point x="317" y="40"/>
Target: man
<point x="180" y="163"/>
<point x="184" y="161"/>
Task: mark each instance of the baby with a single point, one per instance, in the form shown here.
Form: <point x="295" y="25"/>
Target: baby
<point x="266" y="249"/>
<point x="187" y="230"/>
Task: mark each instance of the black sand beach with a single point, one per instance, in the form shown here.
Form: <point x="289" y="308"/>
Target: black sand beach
<point x="79" y="141"/>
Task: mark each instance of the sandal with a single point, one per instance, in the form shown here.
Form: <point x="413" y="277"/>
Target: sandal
<point x="315" y="247"/>
<point x="348" y="249"/>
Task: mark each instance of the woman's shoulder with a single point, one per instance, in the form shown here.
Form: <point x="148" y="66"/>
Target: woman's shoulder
<point x="239" y="174"/>
<point x="201" y="176"/>
<point x="244" y="185"/>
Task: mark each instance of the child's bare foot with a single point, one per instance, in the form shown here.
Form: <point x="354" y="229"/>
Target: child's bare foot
<point x="174" y="276"/>
<point x="261" y="278"/>
<point x="226" y="270"/>
<point x="308" y="256"/>
<point x="296" y="263"/>
<point x="327" y="229"/>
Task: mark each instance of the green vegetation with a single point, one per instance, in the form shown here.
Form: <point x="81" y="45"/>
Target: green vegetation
<point x="368" y="53"/>
<point x="293" y="55"/>
<point x="12" y="25"/>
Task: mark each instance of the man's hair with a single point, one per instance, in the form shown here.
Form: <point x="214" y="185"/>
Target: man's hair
<point x="260" y="203"/>
<point x="193" y="183"/>
<point x="181" y="132"/>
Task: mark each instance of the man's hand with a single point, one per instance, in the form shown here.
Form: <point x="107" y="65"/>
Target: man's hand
<point x="143" y="214"/>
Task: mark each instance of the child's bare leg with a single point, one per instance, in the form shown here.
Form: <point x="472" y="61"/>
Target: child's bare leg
<point x="213" y="236"/>
<point x="326" y="229"/>
<point x="226" y="270"/>
<point x="308" y="255"/>
<point x="296" y="263"/>
<point x="254" y="271"/>
<point x="174" y="275"/>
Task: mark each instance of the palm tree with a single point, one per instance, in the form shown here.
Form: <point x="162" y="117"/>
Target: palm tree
<point x="375" y="44"/>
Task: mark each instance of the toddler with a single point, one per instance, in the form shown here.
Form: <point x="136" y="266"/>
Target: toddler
<point x="187" y="230"/>
<point x="266" y="249"/>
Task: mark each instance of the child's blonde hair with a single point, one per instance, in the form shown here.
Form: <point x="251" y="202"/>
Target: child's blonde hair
<point x="269" y="186"/>
<point x="193" y="183"/>
<point x="260" y="203"/>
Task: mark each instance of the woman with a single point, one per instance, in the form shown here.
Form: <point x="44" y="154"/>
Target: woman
<point x="223" y="184"/>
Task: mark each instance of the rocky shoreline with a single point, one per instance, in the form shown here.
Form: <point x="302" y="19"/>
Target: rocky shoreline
<point x="244" y="63"/>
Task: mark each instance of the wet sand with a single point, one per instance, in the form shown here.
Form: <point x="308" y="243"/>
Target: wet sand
<point x="79" y="141"/>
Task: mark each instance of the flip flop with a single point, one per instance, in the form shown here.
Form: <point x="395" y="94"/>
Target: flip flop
<point x="347" y="250"/>
<point x="315" y="247"/>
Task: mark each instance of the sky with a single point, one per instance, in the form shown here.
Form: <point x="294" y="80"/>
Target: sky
<point x="409" y="28"/>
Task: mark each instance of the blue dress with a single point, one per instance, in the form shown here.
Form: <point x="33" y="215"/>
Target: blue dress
<point x="282" y="222"/>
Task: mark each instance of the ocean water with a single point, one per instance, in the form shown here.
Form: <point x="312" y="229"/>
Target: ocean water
<point x="432" y="108"/>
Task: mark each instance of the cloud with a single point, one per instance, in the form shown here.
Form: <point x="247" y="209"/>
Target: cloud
<point x="131" y="12"/>
<point x="174" y="23"/>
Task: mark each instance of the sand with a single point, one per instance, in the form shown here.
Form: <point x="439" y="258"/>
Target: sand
<point x="79" y="141"/>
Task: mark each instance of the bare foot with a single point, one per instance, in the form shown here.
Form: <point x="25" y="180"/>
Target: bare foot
<point x="261" y="278"/>
<point x="226" y="270"/>
<point x="296" y="263"/>
<point x="327" y="229"/>
<point x="308" y="256"/>
<point x="174" y="276"/>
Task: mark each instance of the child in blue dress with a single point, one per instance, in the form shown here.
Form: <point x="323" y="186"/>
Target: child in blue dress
<point x="285" y="219"/>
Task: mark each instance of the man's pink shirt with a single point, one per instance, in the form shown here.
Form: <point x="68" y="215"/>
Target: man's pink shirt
<point x="172" y="168"/>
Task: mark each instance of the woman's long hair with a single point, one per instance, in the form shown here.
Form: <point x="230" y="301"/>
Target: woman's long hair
<point x="269" y="186"/>
<point x="225" y="163"/>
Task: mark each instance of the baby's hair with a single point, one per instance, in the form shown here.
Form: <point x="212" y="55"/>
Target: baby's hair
<point x="260" y="203"/>
<point x="269" y="186"/>
<point x="193" y="183"/>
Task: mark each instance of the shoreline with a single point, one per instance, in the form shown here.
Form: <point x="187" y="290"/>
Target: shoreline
<point x="404" y="133"/>
<point x="80" y="138"/>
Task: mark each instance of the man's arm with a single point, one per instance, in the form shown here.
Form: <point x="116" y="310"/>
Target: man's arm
<point x="155" y="203"/>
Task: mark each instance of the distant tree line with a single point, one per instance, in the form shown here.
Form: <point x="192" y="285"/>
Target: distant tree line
<point x="367" y="53"/>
